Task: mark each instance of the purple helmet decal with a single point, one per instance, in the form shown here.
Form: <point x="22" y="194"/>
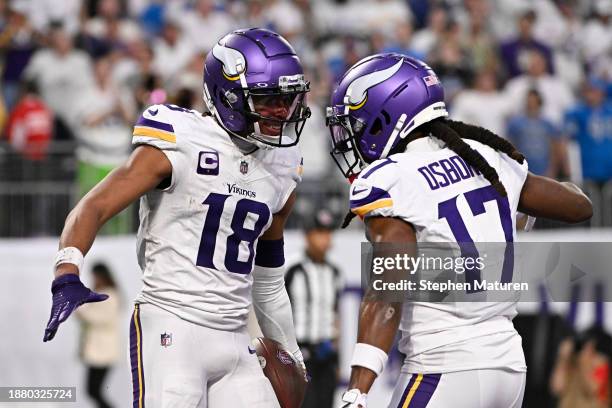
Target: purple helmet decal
<point x="254" y="86"/>
<point x="378" y="102"/>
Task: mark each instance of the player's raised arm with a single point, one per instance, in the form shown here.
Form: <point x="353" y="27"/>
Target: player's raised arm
<point x="378" y="319"/>
<point x="548" y="198"/>
<point x="270" y="298"/>
<point x="146" y="168"/>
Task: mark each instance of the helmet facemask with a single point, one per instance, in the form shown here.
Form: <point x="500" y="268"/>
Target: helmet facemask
<point x="345" y="138"/>
<point x="273" y="116"/>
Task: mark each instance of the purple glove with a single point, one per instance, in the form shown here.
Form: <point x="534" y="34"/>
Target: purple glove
<point x="68" y="294"/>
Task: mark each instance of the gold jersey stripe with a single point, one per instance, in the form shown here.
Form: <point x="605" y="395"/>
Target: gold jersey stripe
<point x="364" y="209"/>
<point x="156" y="133"/>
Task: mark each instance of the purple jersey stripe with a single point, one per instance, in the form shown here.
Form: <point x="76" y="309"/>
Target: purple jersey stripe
<point x="375" y="195"/>
<point x="406" y="390"/>
<point x="142" y="121"/>
<point x="136" y="362"/>
<point x="270" y="254"/>
<point x="426" y="389"/>
<point x="378" y="166"/>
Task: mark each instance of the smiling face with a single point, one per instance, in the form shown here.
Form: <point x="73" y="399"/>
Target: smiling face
<point x="278" y="107"/>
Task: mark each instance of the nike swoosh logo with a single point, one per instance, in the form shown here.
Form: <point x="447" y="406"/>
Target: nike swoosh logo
<point x="252" y="350"/>
<point x="153" y="112"/>
<point x="355" y="191"/>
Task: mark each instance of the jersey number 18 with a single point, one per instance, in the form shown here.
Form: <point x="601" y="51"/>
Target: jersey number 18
<point x="244" y="207"/>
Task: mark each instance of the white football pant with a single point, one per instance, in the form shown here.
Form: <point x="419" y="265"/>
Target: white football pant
<point x="484" y="388"/>
<point x="177" y="364"/>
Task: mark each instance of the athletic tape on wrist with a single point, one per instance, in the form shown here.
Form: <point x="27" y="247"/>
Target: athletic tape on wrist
<point x="69" y="255"/>
<point x="368" y="356"/>
<point x="355" y="397"/>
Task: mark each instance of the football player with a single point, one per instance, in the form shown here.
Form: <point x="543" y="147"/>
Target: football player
<point x="215" y="191"/>
<point x="418" y="176"/>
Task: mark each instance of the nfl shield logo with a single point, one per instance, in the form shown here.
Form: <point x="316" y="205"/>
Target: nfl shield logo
<point x="166" y="339"/>
<point x="244" y="167"/>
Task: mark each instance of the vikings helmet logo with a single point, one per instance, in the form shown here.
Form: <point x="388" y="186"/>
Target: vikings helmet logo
<point x="232" y="60"/>
<point x="357" y="91"/>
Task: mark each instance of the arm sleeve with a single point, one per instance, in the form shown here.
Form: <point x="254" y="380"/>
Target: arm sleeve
<point x="272" y="306"/>
<point x="155" y="128"/>
<point x="270" y="298"/>
<point x="296" y="287"/>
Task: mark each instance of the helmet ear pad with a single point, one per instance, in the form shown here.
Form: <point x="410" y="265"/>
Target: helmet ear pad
<point x="371" y="140"/>
<point x="230" y="108"/>
<point x="380" y="123"/>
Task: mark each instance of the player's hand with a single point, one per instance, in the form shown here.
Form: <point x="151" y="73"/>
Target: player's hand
<point x="68" y="294"/>
<point x="300" y="360"/>
<point x="354" y="399"/>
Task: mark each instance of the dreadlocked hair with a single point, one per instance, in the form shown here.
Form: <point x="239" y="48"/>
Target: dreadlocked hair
<point x="486" y="137"/>
<point x="452" y="133"/>
<point x="453" y="140"/>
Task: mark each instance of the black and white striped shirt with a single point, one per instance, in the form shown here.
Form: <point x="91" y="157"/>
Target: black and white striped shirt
<point x="314" y="289"/>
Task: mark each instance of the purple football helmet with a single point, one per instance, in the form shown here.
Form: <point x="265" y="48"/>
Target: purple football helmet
<point x="378" y="102"/>
<point x="254" y="86"/>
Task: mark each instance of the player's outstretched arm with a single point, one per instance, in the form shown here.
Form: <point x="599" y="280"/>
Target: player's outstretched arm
<point x="270" y="299"/>
<point x="378" y="319"/>
<point x="146" y="168"/>
<point x="548" y="198"/>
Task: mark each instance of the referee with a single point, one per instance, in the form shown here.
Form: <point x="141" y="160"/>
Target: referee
<point x="314" y="285"/>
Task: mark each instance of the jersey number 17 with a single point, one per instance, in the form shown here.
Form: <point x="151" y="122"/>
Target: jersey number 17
<point x="476" y="199"/>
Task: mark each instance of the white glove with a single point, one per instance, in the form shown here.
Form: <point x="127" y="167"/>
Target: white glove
<point x="300" y="359"/>
<point x="354" y="399"/>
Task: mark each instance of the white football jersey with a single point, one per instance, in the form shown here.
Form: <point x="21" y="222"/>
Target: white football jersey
<point x="198" y="236"/>
<point x="446" y="200"/>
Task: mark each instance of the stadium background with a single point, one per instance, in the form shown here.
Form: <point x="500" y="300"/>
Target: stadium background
<point x="75" y="74"/>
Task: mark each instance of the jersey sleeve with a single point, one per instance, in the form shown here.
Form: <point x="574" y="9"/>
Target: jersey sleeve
<point x="155" y="128"/>
<point x="513" y="179"/>
<point x="372" y="193"/>
<point x="289" y="172"/>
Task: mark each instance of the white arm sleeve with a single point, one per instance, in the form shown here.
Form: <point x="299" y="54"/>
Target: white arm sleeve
<point x="272" y="306"/>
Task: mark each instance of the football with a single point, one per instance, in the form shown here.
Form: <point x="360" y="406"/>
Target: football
<point x="283" y="371"/>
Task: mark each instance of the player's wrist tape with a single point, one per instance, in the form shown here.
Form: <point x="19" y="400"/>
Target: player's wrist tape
<point x="370" y="357"/>
<point x="69" y="255"/>
<point x="355" y="397"/>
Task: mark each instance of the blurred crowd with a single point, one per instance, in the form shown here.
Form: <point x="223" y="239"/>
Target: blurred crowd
<point x="538" y="72"/>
